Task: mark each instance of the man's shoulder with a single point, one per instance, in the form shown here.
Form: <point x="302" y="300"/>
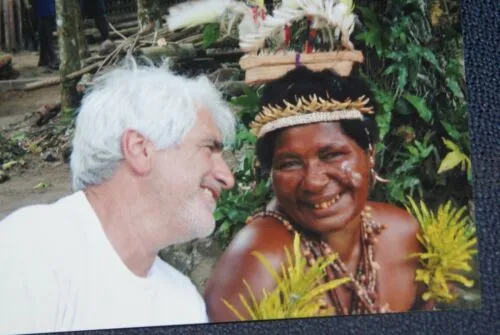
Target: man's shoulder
<point x="173" y="276"/>
<point x="39" y="225"/>
<point x="173" y="280"/>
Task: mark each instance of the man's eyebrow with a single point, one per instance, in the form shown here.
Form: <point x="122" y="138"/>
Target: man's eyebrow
<point x="217" y="144"/>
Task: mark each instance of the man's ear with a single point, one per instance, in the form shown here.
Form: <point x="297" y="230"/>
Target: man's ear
<point x="137" y="151"/>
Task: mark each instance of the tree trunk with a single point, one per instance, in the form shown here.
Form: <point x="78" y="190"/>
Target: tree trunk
<point x="143" y="15"/>
<point x="82" y="42"/>
<point x="68" y="18"/>
<point x="19" y="13"/>
<point x="6" y="25"/>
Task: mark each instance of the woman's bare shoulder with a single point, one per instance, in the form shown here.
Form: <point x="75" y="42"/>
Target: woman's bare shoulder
<point x="401" y="228"/>
<point x="266" y="234"/>
<point x="238" y="264"/>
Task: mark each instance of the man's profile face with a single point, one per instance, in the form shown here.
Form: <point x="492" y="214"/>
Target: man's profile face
<point x="188" y="179"/>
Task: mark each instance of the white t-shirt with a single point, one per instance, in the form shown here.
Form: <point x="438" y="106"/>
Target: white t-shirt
<point x="59" y="272"/>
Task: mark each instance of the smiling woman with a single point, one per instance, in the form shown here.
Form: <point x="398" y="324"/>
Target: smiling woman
<point x="316" y="139"/>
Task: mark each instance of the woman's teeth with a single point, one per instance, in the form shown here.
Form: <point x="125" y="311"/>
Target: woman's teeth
<point x="328" y="203"/>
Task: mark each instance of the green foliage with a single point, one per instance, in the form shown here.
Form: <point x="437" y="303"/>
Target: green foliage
<point x="67" y="116"/>
<point x="454" y="158"/>
<point x="211" y="34"/>
<point x="11" y="148"/>
<point x="237" y="204"/>
<point x="414" y="67"/>
<point x="247" y="105"/>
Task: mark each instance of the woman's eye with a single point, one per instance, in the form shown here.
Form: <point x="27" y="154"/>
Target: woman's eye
<point x="332" y="155"/>
<point x="287" y="165"/>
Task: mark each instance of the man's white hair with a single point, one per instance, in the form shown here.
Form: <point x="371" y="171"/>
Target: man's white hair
<point x="151" y="100"/>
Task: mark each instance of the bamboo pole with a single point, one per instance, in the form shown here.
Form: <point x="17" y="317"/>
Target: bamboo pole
<point x="56" y="80"/>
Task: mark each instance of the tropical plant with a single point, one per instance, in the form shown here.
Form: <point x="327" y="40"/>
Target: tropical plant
<point x="454" y="158"/>
<point x="298" y="293"/>
<point x="449" y="241"/>
<point x="414" y="64"/>
<point x="247" y="196"/>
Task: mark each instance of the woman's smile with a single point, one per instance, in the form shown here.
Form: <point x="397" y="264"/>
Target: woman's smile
<point x="312" y="178"/>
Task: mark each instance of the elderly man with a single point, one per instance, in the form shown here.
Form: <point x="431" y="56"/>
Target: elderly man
<point x="147" y="169"/>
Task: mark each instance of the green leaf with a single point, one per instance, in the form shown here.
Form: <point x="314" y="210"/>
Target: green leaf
<point x="455" y="88"/>
<point x="451" y="130"/>
<point x="218" y="215"/>
<point x="419" y="104"/>
<point x="391" y="69"/>
<point x="429" y="56"/>
<point x="412" y="150"/>
<point x="451" y="160"/>
<point x="383" y="121"/>
<point x="210" y="34"/>
<point x="8" y="165"/>
<point x="18" y="136"/>
<point x="450" y="145"/>
<point x="40" y="186"/>
<point x="402" y="107"/>
<point x="402" y="77"/>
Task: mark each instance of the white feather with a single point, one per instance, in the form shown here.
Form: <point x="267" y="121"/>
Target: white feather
<point x="334" y="14"/>
<point x="280" y="17"/>
<point x="194" y="13"/>
<point x="290" y="4"/>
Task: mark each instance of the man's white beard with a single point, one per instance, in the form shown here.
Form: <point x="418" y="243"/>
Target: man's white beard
<point x="195" y="222"/>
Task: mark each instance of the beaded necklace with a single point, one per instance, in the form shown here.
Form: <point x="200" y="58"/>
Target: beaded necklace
<point x="364" y="297"/>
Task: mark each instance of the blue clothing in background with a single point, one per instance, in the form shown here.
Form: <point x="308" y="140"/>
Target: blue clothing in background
<point x="44" y="8"/>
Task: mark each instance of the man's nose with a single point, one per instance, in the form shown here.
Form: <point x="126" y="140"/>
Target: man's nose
<point x="223" y="173"/>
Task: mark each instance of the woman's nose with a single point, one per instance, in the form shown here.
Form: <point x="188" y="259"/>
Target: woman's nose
<point x="315" y="178"/>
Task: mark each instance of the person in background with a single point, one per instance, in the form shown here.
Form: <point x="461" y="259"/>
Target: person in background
<point x="46" y="16"/>
<point x="96" y="9"/>
<point x="147" y="170"/>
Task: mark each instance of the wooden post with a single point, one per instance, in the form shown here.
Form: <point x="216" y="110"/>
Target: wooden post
<point x="68" y="16"/>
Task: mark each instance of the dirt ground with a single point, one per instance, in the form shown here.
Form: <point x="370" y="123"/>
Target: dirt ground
<point x="15" y="110"/>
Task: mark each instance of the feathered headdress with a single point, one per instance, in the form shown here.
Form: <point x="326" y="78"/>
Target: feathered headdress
<point x="279" y="43"/>
<point x="311" y="33"/>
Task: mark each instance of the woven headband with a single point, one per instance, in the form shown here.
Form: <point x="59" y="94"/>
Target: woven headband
<point x="307" y="111"/>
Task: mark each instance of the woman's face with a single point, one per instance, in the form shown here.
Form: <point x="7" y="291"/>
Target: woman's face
<point x="320" y="176"/>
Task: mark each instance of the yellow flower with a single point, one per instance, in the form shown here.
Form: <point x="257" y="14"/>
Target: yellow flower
<point x="449" y="241"/>
<point x="299" y="289"/>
